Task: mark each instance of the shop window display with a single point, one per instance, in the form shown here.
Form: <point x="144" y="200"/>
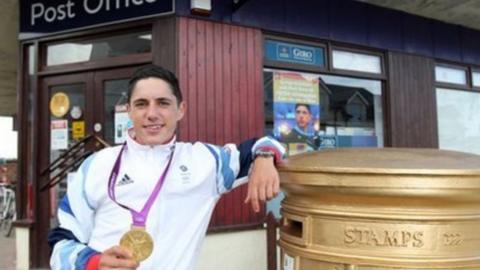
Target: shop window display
<point x="310" y="112"/>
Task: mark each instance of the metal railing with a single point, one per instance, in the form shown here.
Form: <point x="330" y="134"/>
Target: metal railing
<point x="71" y="160"/>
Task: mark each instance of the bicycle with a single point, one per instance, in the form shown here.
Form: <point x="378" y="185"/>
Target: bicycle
<point x="8" y="213"/>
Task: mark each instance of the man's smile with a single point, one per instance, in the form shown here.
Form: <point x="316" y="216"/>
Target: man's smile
<point x="153" y="127"/>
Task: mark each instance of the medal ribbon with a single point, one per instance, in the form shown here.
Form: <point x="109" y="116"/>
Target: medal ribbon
<point x="139" y="218"/>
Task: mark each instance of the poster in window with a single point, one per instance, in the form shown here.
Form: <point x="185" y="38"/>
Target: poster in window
<point x="59" y="134"/>
<point x="78" y="130"/>
<point x="122" y="123"/>
<point x="296" y="111"/>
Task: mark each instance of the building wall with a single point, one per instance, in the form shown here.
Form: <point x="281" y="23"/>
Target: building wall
<point x="220" y="72"/>
<point x="219" y="66"/>
<point x="234" y="251"/>
<point x="411" y="101"/>
<point x="8" y="57"/>
<point x="352" y="22"/>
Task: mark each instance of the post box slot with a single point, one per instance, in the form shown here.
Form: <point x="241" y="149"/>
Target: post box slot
<point x="293" y="227"/>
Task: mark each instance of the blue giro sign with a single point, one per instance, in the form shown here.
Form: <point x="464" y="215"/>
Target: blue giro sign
<point x="294" y="53"/>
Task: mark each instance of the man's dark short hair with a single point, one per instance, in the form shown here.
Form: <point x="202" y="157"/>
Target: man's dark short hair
<point x="304" y="105"/>
<point x="153" y="71"/>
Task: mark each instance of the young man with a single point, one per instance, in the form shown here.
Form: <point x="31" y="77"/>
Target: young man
<point x="303" y="118"/>
<point x="147" y="204"/>
<point x="302" y="137"/>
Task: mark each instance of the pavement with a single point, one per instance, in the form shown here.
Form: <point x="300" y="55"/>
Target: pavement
<point x="7" y="252"/>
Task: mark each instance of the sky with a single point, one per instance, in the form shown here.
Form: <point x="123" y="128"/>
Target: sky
<point x="8" y="138"/>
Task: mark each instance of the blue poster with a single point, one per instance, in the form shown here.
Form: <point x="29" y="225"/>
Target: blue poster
<point x="296" y="111"/>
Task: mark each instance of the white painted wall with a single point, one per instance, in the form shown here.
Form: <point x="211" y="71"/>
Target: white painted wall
<point x="22" y="241"/>
<point x="234" y="251"/>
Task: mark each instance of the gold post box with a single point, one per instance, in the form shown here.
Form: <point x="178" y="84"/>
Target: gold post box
<point x="381" y="209"/>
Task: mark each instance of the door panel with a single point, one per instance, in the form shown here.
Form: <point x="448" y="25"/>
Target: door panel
<point x="80" y="102"/>
<point x="111" y="89"/>
<point x="75" y="91"/>
<point x="78" y="90"/>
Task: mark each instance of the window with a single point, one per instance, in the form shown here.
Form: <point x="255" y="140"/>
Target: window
<point x="31" y="60"/>
<point x="97" y="49"/>
<point x="356" y="61"/>
<point x="458" y="121"/>
<point x="476" y="79"/>
<point x="355" y="114"/>
<point x="458" y="107"/>
<point x="450" y="75"/>
<point x="311" y="107"/>
<point x="309" y="112"/>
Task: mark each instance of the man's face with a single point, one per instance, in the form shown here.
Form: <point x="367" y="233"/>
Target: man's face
<point x="154" y="111"/>
<point x="302" y="116"/>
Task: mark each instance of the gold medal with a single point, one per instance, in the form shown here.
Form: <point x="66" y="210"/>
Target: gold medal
<point x="139" y="242"/>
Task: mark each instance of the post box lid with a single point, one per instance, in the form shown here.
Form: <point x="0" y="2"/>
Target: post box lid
<point x="418" y="161"/>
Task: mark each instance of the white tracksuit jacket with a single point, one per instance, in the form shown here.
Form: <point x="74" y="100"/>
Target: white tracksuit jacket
<point x="90" y="222"/>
